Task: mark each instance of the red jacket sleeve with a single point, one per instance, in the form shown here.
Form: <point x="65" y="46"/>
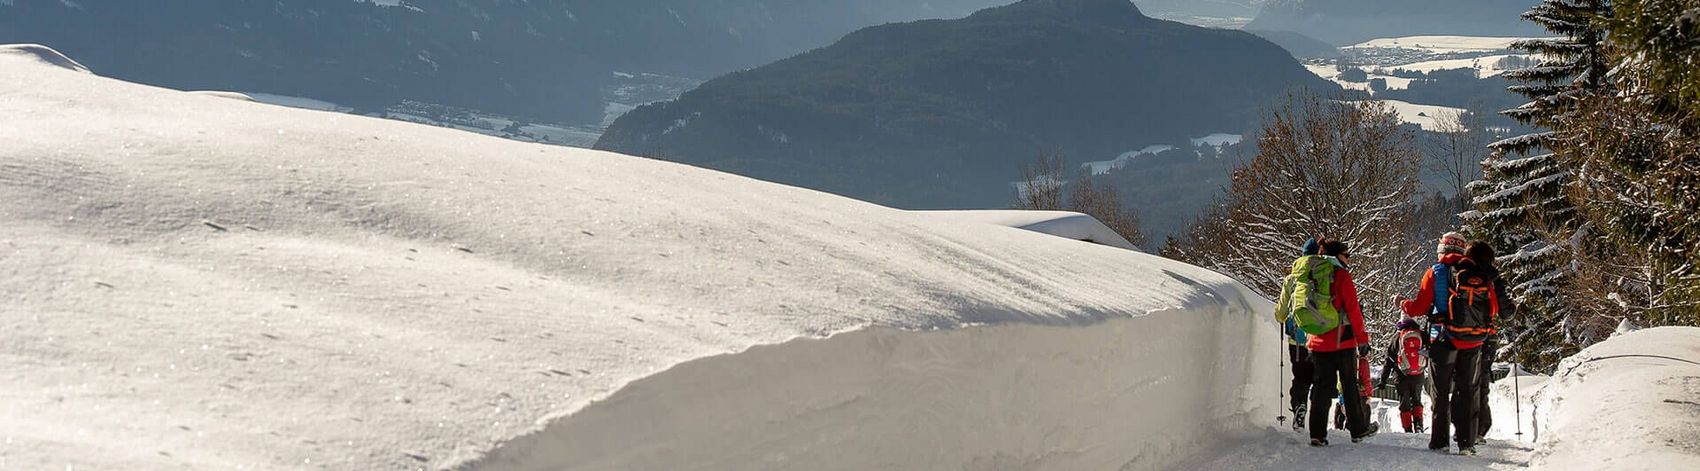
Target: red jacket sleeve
<point x="1424" y="302"/>
<point x="1346" y="299"/>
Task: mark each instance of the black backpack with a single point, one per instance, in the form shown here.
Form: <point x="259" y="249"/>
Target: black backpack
<point x="1473" y="306"/>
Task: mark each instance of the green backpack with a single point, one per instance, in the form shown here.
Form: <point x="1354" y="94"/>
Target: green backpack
<point x="1310" y="298"/>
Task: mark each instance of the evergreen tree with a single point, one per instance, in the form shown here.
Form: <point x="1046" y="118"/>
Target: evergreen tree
<point x="1521" y="203"/>
<point x="1637" y="155"/>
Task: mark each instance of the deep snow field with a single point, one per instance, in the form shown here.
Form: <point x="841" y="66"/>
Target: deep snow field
<point x="195" y="281"/>
<point x="200" y="281"/>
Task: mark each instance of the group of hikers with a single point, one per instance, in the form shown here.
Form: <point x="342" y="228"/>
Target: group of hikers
<point x="1449" y="330"/>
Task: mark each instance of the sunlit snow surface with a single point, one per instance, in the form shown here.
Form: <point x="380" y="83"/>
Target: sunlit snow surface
<point x="206" y="282"/>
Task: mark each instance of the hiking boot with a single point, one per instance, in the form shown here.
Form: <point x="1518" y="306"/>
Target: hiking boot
<point x="1319" y="442"/>
<point x="1368" y="432"/>
<point x="1469" y="450"/>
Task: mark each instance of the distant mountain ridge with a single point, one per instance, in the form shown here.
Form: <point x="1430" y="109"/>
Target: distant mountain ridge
<point x="539" y="59"/>
<point x="1346" y="22"/>
<point x="942" y="113"/>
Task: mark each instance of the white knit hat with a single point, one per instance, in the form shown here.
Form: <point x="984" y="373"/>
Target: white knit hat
<point x="1452" y="242"/>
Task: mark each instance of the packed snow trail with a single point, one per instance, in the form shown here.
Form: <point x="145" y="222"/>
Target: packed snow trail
<point x="1283" y="449"/>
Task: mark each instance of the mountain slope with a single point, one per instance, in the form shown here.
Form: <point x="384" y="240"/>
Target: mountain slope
<point x="943" y="113"/>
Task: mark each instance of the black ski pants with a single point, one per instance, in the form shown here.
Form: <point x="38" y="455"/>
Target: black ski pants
<point x="1455" y="383"/>
<point x="1303" y="371"/>
<point x="1484" y="416"/>
<point x="1410" y="389"/>
<point x="1332" y="369"/>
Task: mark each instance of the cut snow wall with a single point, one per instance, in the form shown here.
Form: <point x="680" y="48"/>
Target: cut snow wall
<point x="1135" y="393"/>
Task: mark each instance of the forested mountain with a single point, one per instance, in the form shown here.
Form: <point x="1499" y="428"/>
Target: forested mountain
<point x="943" y="113"/>
<point x="539" y="59"/>
<point x="1344" y="22"/>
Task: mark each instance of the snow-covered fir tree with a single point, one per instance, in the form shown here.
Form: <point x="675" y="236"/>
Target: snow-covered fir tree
<point x="1520" y="202"/>
<point x="1636" y="152"/>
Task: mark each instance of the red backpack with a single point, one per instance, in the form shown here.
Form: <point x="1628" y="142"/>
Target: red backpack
<point x="1411" y="358"/>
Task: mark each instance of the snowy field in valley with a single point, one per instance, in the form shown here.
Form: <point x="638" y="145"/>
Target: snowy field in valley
<point x="1440" y="44"/>
<point x="1426" y="116"/>
<point x="202" y="282"/>
<point x="1380" y="59"/>
<point x="1486" y="66"/>
<point x="1331" y="73"/>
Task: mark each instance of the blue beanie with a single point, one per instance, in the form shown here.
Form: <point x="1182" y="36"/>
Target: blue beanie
<point x="1312" y="247"/>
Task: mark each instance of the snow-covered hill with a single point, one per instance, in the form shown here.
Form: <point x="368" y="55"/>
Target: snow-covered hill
<point x="194" y="281"/>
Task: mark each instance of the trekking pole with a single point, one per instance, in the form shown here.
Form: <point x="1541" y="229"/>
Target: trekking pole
<point x="1281" y="416"/>
<point x="1517" y="397"/>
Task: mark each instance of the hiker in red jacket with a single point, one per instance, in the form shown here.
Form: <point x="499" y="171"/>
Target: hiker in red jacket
<point x="1474" y="305"/>
<point x="1433" y="290"/>
<point x="1335" y="353"/>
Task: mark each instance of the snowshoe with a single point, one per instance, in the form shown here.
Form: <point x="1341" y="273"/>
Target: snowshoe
<point x="1417" y="427"/>
<point x="1468" y="450"/>
<point x="1299" y="419"/>
<point x="1318" y="442"/>
<point x="1369" y="432"/>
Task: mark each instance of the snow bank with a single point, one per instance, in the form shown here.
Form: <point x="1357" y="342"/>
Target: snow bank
<point x="196" y="283"/>
<point x="1631" y="402"/>
<point x="297" y="102"/>
<point x="38" y="55"/>
<point x="238" y="96"/>
<point x="1065" y="224"/>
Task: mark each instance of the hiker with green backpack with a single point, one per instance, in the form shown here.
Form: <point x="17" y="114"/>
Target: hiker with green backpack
<point x="1322" y="301"/>
<point x="1303" y="371"/>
